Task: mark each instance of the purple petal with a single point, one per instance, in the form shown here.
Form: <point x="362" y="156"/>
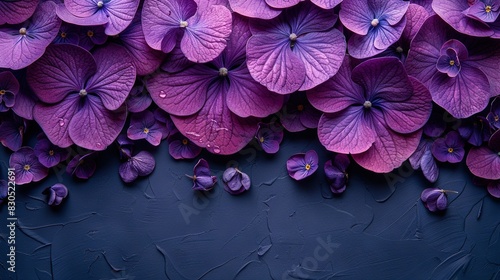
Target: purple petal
<point x="452" y="12"/>
<point x="114" y="78"/>
<point x="144" y="163"/>
<point x="205" y="37"/>
<point x="62" y="70"/>
<point x="311" y="157"/>
<point x="120" y="15"/>
<point x="484" y="163"/>
<point x="430" y="194"/>
<point x="138" y="100"/>
<point x="298" y="168"/>
<point x="306" y="18"/>
<point x="26" y="166"/>
<point x="91" y="35"/>
<point x="494" y="188"/>
<point x="326" y="4"/>
<point x="97" y="18"/>
<point x="281" y="4"/>
<point x="21" y="50"/>
<point x="12" y="133"/>
<point x="13" y="12"/>
<point x="254" y="9"/>
<point x="348" y="131"/>
<point x="128" y="172"/>
<point x="352" y="19"/>
<point x="429" y="166"/>
<point x="94" y="127"/>
<point x="180" y="147"/>
<point x="442" y="202"/>
<point x="389" y="150"/>
<point x="288" y="72"/>
<point x="416" y="158"/>
<point x="55" y="119"/>
<point x="464" y="95"/>
<point x="494" y="142"/>
<point x="269" y="137"/>
<point x="82" y="167"/>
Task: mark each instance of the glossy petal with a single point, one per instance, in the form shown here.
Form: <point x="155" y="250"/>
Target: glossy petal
<point x="206" y="35"/>
<point x="13" y="12"/>
<point x="62" y="70"/>
<point x="94" y="127"/>
<point x="21" y="50"/>
<point x="114" y="78"/>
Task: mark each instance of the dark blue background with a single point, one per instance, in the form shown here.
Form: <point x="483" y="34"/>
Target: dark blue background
<point x="159" y="228"/>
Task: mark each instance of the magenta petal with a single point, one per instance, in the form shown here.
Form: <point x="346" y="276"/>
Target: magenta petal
<point x="463" y="95"/>
<point x="206" y="35"/>
<point x="281" y="4"/>
<point x="326" y="4"/>
<point x="55" y="119"/>
<point x="254" y="9"/>
<point x="115" y="76"/>
<point x="389" y="150"/>
<point x="246" y="97"/>
<point x="348" y="131"/>
<point x="13" y="12"/>
<point x="191" y="83"/>
<point x="62" y="70"/>
<point x="19" y="51"/>
<point x="288" y="72"/>
<point x="94" y="127"/>
<point x="494" y="188"/>
<point x="484" y="163"/>
<point x="337" y="93"/>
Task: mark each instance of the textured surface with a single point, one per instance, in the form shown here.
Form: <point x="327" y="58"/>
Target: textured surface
<point x="159" y="228"/>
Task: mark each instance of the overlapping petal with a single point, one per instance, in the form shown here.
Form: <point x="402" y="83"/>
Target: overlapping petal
<point x="13" y="12"/>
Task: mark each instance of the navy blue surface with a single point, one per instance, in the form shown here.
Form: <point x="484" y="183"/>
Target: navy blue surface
<point x="159" y="228"/>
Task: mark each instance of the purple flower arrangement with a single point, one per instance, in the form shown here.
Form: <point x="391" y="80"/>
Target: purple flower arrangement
<point x="373" y="78"/>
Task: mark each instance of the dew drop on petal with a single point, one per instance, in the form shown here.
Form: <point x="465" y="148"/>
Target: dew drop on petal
<point x="162" y="94"/>
<point x="98" y="144"/>
<point x="216" y="150"/>
<point x="61" y="122"/>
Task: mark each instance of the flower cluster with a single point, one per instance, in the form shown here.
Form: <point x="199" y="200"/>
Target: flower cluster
<point x="382" y="82"/>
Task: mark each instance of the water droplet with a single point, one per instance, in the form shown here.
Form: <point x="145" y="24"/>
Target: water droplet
<point x="98" y="144"/>
<point x="162" y="94"/>
<point x="61" y="122"/>
<point x="216" y="150"/>
<point x="209" y="146"/>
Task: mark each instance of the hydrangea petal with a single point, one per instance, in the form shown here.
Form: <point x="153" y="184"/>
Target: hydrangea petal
<point x="288" y="72"/>
<point x="354" y="20"/>
<point x="389" y="150"/>
<point x="306" y="18"/>
<point x="13" y="12"/>
<point x="391" y="10"/>
<point x="120" y="15"/>
<point x="144" y="163"/>
<point x="494" y="188"/>
<point x="19" y="51"/>
<point x="484" y="54"/>
<point x="281" y="4"/>
<point x="115" y="76"/>
<point x="98" y="18"/>
<point x="82" y="8"/>
<point x="337" y="93"/>
<point x="254" y="9"/>
<point x="463" y="95"/>
<point x="322" y="54"/>
<point x="347" y="131"/>
<point x="484" y="163"/>
<point x="62" y="70"/>
<point x="55" y="119"/>
<point x="326" y="4"/>
<point x="412" y="114"/>
<point x="452" y="11"/>
<point x="94" y="127"/>
<point x="246" y="97"/>
<point x="205" y="37"/>
<point x="215" y="127"/>
<point x="193" y="82"/>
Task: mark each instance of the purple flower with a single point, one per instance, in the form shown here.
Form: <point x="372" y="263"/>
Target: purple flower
<point x="14" y="12"/>
<point x="202" y="30"/>
<point x="89" y="36"/>
<point x="180" y="147"/>
<point x="436" y="124"/>
<point x="476" y="130"/>
<point x="461" y="72"/>
<point x="141" y="164"/>
<point x="138" y="99"/>
<point x="57" y="193"/>
<point x="376" y="24"/>
<point x="23" y="43"/>
<point x="115" y="15"/>
<point x="298" y="50"/>
<point x="143" y="125"/>
<point x="374" y="111"/>
<point x="494" y="114"/>
<point x="26" y="166"/>
<point x="300" y="166"/>
<point x="82" y="94"/>
<point x="49" y="154"/>
<point x="9" y="87"/>
<point x="125" y="146"/>
<point x="211" y="103"/>
<point x="484" y="161"/>
<point x="449" y="149"/>
<point x="68" y="34"/>
<point x="269" y="137"/>
<point x="4" y="190"/>
<point x="298" y="114"/>
<point x="146" y="60"/>
<point x="422" y="158"/>
<point x="235" y="181"/>
<point x="471" y="17"/>
<point x="163" y="117"/>
<point x="435" y="199"/>
<point x="12" y="131"/>
<point x="336" y="173"/>
<point x="82" y="166"/>
<point x="202" y="180"/>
